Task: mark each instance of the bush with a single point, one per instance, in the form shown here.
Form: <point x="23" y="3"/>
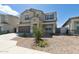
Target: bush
<point x="42" y="43"/>
<point x="23" y="34"/>
<point x="3" y="32"/>
<point x="37" y="32"/>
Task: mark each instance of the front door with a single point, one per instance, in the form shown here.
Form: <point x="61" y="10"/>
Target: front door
<point x="14" y="30"/>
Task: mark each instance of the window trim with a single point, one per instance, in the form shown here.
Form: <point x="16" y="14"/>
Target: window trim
<point x="26" y="18"/>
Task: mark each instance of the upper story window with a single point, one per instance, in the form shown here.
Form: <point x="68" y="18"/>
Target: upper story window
<point x="2" y="18"/>
<point x="37" y="15"/>
<point x="47" y="17"/>
<point x="26" y="17"/>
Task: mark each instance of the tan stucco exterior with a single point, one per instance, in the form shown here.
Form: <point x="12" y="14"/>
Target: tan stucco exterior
<point x="27" y="20"/>
<point x="8" y="22"/>
<point x="72" y="25"/>
<point x="38" y="17"/>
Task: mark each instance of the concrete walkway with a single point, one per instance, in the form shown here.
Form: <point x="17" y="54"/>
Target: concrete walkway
<point x="17" y="49"/>
<point x="8" y="36"/>
<point x="9" y="46"/>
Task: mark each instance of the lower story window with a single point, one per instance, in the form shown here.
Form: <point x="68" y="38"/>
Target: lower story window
<point x="48" y="29"/>
<point x="77" y="27"/>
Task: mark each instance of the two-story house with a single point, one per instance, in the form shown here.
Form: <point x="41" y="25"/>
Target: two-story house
<point x="72" y="25"/>
<point x="33" y="17"/>
<point x="8" y="23"/>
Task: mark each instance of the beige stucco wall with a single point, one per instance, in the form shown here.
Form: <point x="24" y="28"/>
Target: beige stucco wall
<point x="39" y="20"/>
<point x="6" y="28"/>
<point x="71" y="25"/>
<point x="12" y="22"/>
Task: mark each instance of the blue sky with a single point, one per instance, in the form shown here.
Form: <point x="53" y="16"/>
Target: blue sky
<point x="64" y="11"/>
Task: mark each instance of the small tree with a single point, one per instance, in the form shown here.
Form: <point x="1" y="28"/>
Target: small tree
<point x="37" y="34"/>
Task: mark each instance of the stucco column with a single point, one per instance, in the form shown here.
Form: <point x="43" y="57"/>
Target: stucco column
<point x="31" y="29"/>
<point x="16" y="29"/>
<point x="54" y="28"/>
<point x="72" y="27"/>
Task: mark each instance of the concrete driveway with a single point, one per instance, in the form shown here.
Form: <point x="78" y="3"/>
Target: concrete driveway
<point x="9" y="46"/>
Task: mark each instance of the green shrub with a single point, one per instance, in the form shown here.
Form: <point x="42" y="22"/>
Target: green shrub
<point x="24" y="34"/>
<point x="3" y="32"/>
<point x="37" y="32"/>
<point x="42" y="43"/>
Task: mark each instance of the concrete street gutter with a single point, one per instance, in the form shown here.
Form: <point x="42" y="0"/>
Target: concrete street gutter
<point x="9" y="46"/>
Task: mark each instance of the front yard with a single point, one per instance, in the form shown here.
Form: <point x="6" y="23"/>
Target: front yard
<point x="57" y="44"/>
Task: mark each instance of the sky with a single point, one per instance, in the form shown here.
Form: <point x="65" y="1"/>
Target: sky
<point x="64" y="11"/>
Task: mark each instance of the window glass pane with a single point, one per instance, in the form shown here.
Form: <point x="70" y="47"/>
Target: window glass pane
<point x="2" y="18"/>
<point x="24" y="29"/>
<point x="48" y="17"/>
<point x="26" y="17"/>
<point x="77" y="27"/>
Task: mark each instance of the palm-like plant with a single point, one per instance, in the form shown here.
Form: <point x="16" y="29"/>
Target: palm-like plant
<point x="37" y="34"/>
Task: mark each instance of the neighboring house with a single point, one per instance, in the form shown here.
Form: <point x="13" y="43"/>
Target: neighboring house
<point x="71" y="26"/>
<point x="8" y="23"/>
<point x="36" y="18"/>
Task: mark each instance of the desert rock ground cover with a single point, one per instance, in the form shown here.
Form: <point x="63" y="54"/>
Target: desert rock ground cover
<point x="57" y="44"/>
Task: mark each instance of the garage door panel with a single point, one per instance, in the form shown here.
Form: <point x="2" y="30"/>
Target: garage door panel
<point x="24" y="29"/>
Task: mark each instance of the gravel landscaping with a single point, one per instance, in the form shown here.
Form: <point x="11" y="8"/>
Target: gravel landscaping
<point x="57" y="44"/>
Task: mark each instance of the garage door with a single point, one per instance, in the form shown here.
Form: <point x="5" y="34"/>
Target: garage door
<point x="24" y="29"/>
